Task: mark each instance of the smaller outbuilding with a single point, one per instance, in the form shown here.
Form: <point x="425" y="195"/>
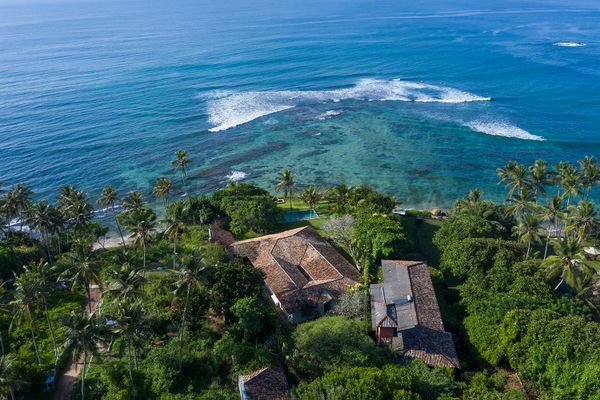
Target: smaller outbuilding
<point x="264" y="384"/>
<point x="405" y="314"/>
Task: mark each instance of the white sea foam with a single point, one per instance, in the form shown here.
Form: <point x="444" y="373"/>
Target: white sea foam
<point x="569" y="44"/>
<point x="236" y="176"/>
<point x="497" y="128"/>
<point x="227" y="109"/>
<point x="328" y="114"/>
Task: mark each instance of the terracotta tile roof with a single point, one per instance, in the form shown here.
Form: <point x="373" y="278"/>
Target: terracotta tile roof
<point x="220" y="235"/>
<point x="406" y="301"/>
<point x="264" y="384"/>
<point x="301" y="268"/>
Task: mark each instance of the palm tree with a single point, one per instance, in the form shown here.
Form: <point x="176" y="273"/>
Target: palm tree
<point x="311" y="197"/>
<point x="24" y="303"/>
<point x="162" y="189"/>
<point x="527" y="231"/>
<point x="583" y="219"/>
<point x="127" y="282"/>
<point x="569" y="180"/>
<point x="7" y="380"/>
<point x="175" y="224"/>
<point x="339" y="195"/>
<point x="22" y="195"/>
<point x="539" y="177"/>
<point x="9" y="207"/>
<point x="584" y="283"/>
<point x="81" y="268"/>
<point x="130" y="319"/>
<point x="107" y="199"/>
<point x="181" y="162"/>
<point x="40" y="218"/>
<point x="188" y="274"/>
<point x="82" y="335"/>
<point x="134" y="201"/>
<point x="285" y="183"/>
<point x="142" y="225"/>
<point x="568" y="262"/>
<point x="552" y="213"/>
<point x="590" y="172"/>
<point x="521" y="204"/>
<point x="43" y="277"/>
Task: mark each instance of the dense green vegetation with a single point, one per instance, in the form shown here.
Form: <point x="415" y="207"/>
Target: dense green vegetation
<point x="164" y="314"/>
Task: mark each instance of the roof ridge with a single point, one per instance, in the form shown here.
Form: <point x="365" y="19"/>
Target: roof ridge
<point x="276" y="235"/>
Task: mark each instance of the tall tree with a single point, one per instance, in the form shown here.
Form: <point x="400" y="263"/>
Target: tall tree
<point x="22" y="195"/>
<point x="568" y="262"/>
<point x="162" y="189"/>
<point x="43" y="276"/>
<point x="175" y="225"/>
<point x="142" y="226"/>
<point x="539" y="176"/>
<point x="568" y="178"/>
<point x="107" y="199"/>
<point x="311" y="197"/>
<point x="126" y="283"/>
<point x="82" y="268"/>
<point x="24" y="304"/>
<point x="339" y="195"/>
<point x="285" y="184"/>
<point x="134" y="201"/>
<point x="130" y="320"/>
<point x="583" y="219"/>
<point x="82" y="335"/>
<point x="9" y="207"/>
<point x="8" y="380"/>
<point x="527" y="231"/>
<point x="40" y="218"/>
<point x="552" y="213"/>
<point x="590" y="173"/>
<point x="188" y="274"/>
<point x="181" y="162"/>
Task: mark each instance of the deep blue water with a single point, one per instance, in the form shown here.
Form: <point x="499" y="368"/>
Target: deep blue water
<point x="422" y="99"/>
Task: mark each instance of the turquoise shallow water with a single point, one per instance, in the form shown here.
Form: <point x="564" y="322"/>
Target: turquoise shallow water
<point x="420" y="99"/>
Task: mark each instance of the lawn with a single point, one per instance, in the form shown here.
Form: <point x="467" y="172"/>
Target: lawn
<point x="421" y="231"/>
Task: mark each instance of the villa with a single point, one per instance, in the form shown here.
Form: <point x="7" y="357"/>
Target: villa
<point x="303" y="272"/>
<point x="405" y="315"/>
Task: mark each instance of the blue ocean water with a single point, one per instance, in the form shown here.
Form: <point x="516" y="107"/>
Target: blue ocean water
<point x="420" y="99"/>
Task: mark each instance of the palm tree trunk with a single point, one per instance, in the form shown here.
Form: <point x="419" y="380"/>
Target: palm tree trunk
<point x="83" y="375"/>
<point x="546" y="248"/>
<point x="2" y="343"/>
<point x="559" y="283"/>
<point x="112" y="208"/>
<point x="528" y="248"/>
<point x="35" y="345"/>
<point x="130" y="370"/>
<point x="182" y="328"/>
<point x="51" y="328"/>
<point x="89" y="297"/>
<point x="12" y="393"/>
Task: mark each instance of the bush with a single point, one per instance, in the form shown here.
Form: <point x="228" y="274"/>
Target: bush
<point x="332" y="342"/>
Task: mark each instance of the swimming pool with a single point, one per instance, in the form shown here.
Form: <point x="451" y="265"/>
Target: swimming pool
<point x="302" y="215"/>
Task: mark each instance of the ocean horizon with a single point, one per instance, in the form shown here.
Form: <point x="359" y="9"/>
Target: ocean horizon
<point x="419" y="100"/>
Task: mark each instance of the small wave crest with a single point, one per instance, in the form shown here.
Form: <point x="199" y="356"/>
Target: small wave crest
<point x="228" y="109"/>
<point x="504" y="129"/>
<point x="569" y="44"/>
<point x="236" y="176"/>
<point x="328" y="114"/>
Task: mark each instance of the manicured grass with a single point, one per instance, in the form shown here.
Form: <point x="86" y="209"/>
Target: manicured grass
<point x="421" y="231"/>
<point x="323" y="207"/>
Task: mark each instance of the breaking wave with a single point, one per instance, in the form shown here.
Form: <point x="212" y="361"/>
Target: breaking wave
<point x="329" y="114"/>
<point x="236" y="176"/>
<point x="569" y="44"/>
<point x="228" y="109"/>
<point x="502" y="129"/>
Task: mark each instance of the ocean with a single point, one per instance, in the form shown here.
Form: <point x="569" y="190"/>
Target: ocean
<point x="422" y="100"/>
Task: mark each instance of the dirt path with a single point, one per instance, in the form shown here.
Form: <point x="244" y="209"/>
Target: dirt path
<point x="65" y="382"/>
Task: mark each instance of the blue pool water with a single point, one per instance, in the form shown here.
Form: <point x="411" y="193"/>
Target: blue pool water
<point x="303" y="215"/>
<point x="420" y="99"/>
